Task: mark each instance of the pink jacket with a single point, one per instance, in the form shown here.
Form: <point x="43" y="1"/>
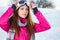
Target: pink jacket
<point x="42" y="26"/>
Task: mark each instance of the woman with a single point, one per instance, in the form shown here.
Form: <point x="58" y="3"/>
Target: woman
<point x="18" y="19"/>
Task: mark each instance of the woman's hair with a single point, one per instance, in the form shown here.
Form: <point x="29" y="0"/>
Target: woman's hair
<point x="14" y="23"/>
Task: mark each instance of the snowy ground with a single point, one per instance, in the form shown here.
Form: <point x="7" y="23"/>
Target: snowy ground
<point x="53" y="16"/>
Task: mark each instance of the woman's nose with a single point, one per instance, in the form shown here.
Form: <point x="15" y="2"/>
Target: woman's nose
<point x="24" y="10"/>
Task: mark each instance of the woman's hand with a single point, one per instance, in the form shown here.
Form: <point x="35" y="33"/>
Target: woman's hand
<point x="14" y="4"/>
<point x="32" y="5"/>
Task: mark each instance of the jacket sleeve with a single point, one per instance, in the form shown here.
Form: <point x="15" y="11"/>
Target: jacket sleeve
<point x="43" y="23"/>
<point x="4" y="19"/>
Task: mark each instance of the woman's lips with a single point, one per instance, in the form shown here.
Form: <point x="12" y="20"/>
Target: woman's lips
<point x="24" y="14"/>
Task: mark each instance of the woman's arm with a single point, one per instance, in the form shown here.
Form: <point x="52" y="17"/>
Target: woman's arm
<point x="6" y="15"/>
<point x="4" y="19"/>
<point x="6" y="26"/>
<point x="43" y="23"/>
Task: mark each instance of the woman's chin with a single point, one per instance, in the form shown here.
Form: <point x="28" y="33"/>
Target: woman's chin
<point x="23" y="17"/>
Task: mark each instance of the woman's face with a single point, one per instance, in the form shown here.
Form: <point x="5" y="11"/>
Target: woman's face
<point x="23" y="11"/>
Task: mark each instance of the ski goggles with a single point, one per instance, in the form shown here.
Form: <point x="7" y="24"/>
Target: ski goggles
<point x="21" y="3"/>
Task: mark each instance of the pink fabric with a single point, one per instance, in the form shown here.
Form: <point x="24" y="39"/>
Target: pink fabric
<point x="42" y="26"/>
<point x="23" y="34"/>
<point x="4" y="24"/>
<point x="23" y="20"/>
<point x="43" y="23"/>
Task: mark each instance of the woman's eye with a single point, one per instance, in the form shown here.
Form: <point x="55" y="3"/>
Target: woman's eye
<point x="26" y="8"/>
<point x="22" y="8"/>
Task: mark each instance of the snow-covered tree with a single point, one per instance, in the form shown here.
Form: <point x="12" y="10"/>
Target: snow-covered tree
<point x="44" y="3"/>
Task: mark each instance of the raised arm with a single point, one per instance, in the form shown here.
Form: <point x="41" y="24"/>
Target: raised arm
<point x="4" y="19"/>
<point x="43" y="23"/>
